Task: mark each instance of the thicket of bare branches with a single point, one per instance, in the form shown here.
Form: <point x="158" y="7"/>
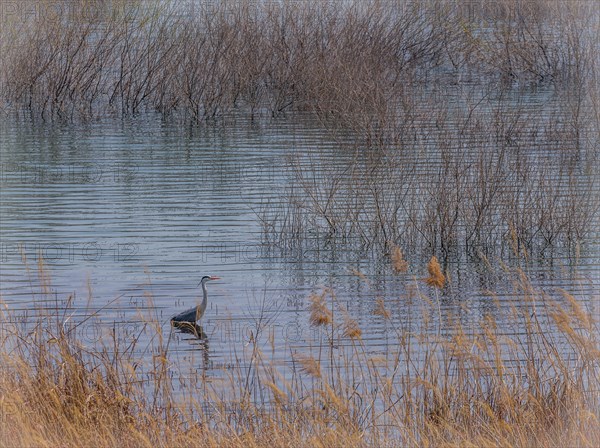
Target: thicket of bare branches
<point x="417" y="82"/>
<point x="354" y="61"/>
<point x="479" y="178"/>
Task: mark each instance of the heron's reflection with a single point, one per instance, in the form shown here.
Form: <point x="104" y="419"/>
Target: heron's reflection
<point x="191" y="328"/>
<point x="199" y="338"/>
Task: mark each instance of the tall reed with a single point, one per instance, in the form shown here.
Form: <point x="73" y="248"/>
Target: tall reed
<point x="478" y="384"/>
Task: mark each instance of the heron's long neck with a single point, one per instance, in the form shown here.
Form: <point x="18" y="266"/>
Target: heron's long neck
<point x="204" y="295"/>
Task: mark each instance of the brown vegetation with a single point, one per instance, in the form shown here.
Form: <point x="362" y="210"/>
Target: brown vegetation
<point x="436" y="278"/>
<point x="497" y="176"/>
<point x="472" y="385"/>
<point x="356" y="63"/>
<point x="398" y="84"/>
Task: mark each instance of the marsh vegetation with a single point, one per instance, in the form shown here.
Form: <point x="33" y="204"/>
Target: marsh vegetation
<point x="457" y="134"/>
<point x="473" y="385"/>
<point x="440" y="83"/>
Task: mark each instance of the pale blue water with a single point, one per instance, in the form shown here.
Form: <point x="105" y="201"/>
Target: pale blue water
<point x="138" y="211"/>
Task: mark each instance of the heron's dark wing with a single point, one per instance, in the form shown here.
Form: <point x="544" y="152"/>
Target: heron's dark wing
<point x="190" y="315"/>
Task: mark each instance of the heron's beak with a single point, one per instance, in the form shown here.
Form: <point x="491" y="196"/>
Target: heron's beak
<point x="210" y="278"/>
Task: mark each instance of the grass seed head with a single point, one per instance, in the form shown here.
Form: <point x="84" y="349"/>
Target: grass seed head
<point x="399" y="264"/>
<point x="351" y="329"/>
<point x="319" y="313"/>
<point x="436" y="277"/>
<point x="381" y="310"/>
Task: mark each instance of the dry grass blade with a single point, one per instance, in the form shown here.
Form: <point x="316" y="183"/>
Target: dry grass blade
<point x="475" y="388"/>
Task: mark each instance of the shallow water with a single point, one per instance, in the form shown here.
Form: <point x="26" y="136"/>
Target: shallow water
<point x="127" y="216"/>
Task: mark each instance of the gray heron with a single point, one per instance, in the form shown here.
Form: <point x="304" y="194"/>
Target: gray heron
<point x="192" y="315"/>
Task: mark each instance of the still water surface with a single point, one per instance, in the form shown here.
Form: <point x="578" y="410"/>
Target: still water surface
<point x="129" y="215"/>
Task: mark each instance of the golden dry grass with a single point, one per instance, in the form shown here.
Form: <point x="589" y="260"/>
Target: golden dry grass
<point x="399" y="264"/>
<point x="478" y="386"/>
<point x="436" y="277"/>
